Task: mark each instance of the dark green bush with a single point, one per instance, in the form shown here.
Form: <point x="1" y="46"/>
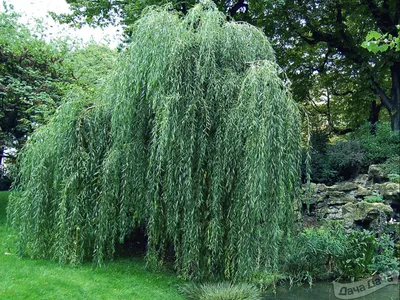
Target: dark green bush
<point x="379" y="146"/>
<point x="339" y="161"/>
<point x="346" y="158"/>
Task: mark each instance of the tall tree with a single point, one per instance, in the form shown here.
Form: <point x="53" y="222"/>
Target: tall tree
<point x="333" y="31"/>
<point x="194" y="137"/>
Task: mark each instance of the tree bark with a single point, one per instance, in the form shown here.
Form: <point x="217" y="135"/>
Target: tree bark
<point x="395" y="112"/>
<point x="1" y="154"/>
<point x="374" y="115"/>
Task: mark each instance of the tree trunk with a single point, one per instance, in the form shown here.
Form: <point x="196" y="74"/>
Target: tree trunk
<point x="1" y="154"/>
<point x="374" y="116"/>
<point x="395" y="113"/>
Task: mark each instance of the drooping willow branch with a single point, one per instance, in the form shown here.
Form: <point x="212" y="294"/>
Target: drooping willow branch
<point x="186" y="138"/>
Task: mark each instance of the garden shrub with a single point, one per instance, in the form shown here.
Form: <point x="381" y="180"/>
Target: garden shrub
<point x="360" y="251"/>
<point x="327" y="252"/>
<point x="346" y="158"/>
<point x="340" y="161"/>
<point x="220" y="291"/>
<point x="380" y="146"/>
<point x="311" y="254"/>
<point x="385" y="258"/>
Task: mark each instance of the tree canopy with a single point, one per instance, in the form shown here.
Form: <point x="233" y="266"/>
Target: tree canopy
<point x="318" y="44"/>
<point x="32" y="81"/>
<point x="35" y="74"/>
<point x="195" y="137"/>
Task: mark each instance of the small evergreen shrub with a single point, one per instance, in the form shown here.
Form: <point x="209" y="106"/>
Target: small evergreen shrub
<point x="346" y="158"/>
<point x="220" y="291"/>
<point x="394" y="178"/>
<point x="341" y="161"/>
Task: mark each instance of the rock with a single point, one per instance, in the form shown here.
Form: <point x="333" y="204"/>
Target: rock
<point x="364" y="211"/>
<point x="390" y="191"/>
<point x="334" y="201"/>
<point x="362" y="192"/>
<point x="335" y="194"/>
<point x="334" y="213"/>
<point x="373" y="171"/>
<point x="320" y="188"/>
<point x="361" y="179"/>
<point x="346" y="186"/>
<point x="375" y="174"/>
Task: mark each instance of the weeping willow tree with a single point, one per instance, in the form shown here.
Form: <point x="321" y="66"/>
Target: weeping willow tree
<point x="194" y="136"/>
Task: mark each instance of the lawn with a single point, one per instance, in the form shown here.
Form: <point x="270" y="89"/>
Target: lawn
<point x="24" y="278"/>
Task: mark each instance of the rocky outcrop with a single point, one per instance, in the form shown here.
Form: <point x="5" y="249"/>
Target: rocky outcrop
<point x="365" y="214"/>
<point x="360" y="201"/>
<point x="390" y="191"/>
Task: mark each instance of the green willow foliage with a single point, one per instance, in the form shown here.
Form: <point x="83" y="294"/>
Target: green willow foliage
<point x="195" y="137"/>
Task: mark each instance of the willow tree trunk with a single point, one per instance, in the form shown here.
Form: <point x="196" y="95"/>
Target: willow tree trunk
<point x="395" y="112"/>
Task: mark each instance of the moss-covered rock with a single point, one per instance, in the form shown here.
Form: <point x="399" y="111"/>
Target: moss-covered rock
<point x="364" y="212"/>
<point x="346" y="186"/>
<point x="390" y="191"/>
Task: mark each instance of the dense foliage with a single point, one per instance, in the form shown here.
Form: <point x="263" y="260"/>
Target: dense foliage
<point x="318" y="44"/>
<point x="35" y="74"/>
<point x="195" y="137"/>
<point x="380" y="146"/>
<point x="328" y="252"/>
<point x="32" y="81"/>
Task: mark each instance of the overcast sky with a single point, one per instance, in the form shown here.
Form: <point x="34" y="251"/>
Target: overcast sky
<point x="31" y="9"/>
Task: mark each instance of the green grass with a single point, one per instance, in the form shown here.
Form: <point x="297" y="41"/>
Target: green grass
<point x="24" y="278"/>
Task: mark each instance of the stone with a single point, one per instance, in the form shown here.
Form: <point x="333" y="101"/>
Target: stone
<point x="346" y="186"/>
<point x="365" y="211"/>
<point x="335" y="194"/>
<point x="390" y="191"/>
<point x="334" y="201"/>
<point x="361" y="179"/>
<point x="374" y="170"/>
<point x="361" y="192"/>
<point x="375" y="174"/>
<point x="320" y="188"/>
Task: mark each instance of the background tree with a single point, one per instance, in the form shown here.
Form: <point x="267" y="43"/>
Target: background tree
<point x="35" y="75"/>
<point x="317" y="43"/>
<point x="32" y="81"/>
<point x="194" y="136"/>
